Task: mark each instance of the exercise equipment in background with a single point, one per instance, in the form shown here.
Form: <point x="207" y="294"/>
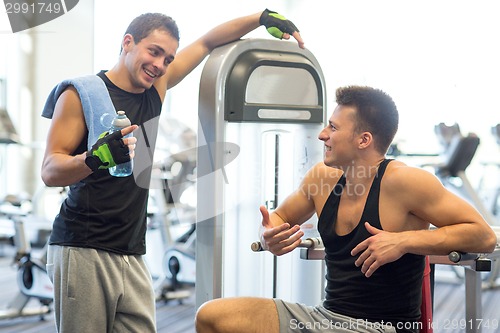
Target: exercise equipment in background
<point x="171" y="233"/>
<point x="32" y="278"/>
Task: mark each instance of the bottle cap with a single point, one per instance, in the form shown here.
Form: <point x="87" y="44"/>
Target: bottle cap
<point x="120" y="120"/>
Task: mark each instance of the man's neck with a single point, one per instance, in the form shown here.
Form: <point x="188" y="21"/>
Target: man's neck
<point x="120" y="78"/>
<point x="361" y="172"/>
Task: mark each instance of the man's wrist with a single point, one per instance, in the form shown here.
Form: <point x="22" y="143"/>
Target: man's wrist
<point x="92" y="161"/>
<point x="264" y="13"/>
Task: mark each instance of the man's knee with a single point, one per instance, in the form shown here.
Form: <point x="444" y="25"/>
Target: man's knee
<point x="231" y="315"/>
<point x="206" y="318"/>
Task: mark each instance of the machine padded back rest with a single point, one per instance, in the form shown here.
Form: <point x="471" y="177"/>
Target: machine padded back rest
<point x="8" y="132"/>
<point x="495" y="130"/>
<point x="446" y="133"/>
<point x="460" y="154"/>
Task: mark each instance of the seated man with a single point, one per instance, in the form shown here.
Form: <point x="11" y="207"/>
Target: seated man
<point x="374" y="217"/>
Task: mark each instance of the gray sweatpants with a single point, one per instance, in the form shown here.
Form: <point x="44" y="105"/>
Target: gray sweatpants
<point x="98" y="291"/>
<point x="300" y="318"/>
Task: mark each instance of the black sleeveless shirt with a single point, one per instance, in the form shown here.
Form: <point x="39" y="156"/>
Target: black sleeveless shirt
<point x="105" y="212"/>
<point x="393" y="293"/>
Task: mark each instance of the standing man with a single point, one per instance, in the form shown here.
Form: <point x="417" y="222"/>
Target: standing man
<point x="101" y="282"/>
<point x="374" y="217"/>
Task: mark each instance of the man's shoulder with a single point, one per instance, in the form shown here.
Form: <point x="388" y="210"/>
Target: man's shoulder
<point x="400" y="176"/>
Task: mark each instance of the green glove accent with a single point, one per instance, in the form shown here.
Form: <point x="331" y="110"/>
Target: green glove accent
<point x="276" y="24"/>
<point x="108" y="151"/>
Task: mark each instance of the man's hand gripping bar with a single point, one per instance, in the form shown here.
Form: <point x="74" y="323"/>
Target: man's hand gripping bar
<point x="309" y="243"/>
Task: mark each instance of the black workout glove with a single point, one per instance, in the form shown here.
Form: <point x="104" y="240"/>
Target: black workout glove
<point x="107" y="152"/>
<point x="276" y="24"/>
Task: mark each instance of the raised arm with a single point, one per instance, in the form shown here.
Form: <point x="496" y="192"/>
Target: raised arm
<point x="192" y="55"/>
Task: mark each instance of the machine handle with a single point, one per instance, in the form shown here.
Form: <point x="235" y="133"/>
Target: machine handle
<point x="317" y="242"/>
<point x="307" y="243"/>
<point x="456" y="256"/>
<point x="481" y="264"/>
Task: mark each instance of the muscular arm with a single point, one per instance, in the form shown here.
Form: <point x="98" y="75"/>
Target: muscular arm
<point x="282" y="228"/>
<point x="459" y="225"/>
<point x="192" y="55"/>
<point x="420" y="196"/>
<point x="67" y="130"/>
<point x="310" y="197"/>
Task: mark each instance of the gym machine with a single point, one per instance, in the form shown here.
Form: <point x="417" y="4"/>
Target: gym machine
<point x="459" y="150"/>
<point x="171" y="236"/>
<point x="8" y="133"/>
<point x="473" y="264"/>
<point x="261" y="107"/>
<point x="32" y="278"/>
<point x="492" y="201"/>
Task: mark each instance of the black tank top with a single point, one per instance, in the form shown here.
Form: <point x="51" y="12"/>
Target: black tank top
<point x="393" y="293"/>
<point x="105" y="212"/>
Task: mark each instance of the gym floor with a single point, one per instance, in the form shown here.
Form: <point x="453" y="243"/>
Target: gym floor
<point x="172" y="317"/>
<point x="175" y="317"/>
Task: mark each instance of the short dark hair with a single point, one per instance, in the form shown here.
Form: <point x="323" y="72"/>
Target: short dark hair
<point x="144" y="24"/>
<point x="376" y="113"/>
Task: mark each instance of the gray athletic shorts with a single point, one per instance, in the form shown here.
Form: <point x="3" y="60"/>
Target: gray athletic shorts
<point x="300" y="318"/>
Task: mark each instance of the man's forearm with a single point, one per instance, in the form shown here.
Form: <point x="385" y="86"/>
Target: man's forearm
<point x="230" y="31"/>
<point x="463" y="237"/>
<point x="64" y="170"/>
